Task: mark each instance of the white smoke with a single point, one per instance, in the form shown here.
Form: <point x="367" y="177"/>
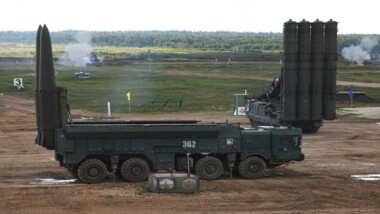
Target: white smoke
<point x="78" y="52"/>
<point x="360" y="52"/>
<point x="368" y="43"/>
<point x="355" y="54"/>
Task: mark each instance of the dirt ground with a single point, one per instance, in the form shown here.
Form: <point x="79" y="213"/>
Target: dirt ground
<point x="323" y="183"/>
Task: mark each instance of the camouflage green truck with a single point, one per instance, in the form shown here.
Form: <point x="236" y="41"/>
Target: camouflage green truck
<point x="133" y="149"/>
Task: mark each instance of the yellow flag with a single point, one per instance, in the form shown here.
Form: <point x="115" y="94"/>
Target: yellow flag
<point x="128" y="95"/>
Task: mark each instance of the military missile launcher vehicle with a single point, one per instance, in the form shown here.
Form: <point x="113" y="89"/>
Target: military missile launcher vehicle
<point x="304" y="93"/>
<point x="92" y="149"/>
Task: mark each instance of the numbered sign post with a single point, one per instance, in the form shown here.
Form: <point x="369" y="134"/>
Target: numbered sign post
<point x="17" y="82"/>
<point x="109" y="108"/>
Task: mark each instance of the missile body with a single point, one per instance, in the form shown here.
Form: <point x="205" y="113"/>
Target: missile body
<point x="47" y="92"/>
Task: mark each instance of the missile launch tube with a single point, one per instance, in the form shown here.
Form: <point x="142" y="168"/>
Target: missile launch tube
<point x="329" y="86"/>
<point x="303" y="71"/>
<point x="289" y="72"/>
<point x="317" y="66"/>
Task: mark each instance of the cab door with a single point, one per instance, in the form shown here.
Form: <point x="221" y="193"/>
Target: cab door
<point x="255" y="143"/>
<point x="286" y="147"/>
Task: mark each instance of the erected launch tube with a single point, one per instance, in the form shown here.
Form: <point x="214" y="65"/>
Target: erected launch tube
<point x="289" y="71"/>
<point x="303" y="71"/>
<point x="329" y="86"/>
<point x="317" y="66"/>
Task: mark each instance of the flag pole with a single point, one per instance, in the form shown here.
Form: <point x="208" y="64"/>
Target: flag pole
<point x="351" y="96"/>
<point x="352" y="100"/>
<point x="128" y="94"/>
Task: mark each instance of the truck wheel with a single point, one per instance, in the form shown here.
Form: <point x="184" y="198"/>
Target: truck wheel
<point x="92" y="171"/>
<point x="252" y="168"/>
<point x="135" y="169"/>
<point x="209" y="168"/>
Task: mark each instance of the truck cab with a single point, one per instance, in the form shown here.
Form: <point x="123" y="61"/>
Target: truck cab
<point x="285" y="143"/>
<point x="268" y="147"/>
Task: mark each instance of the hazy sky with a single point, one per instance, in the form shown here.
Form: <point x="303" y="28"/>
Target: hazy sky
<point x="191" y="15"/>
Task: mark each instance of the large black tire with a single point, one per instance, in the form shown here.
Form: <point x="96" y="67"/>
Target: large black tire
<point x="135" y="169"/>
<point x="92" y="171"/>
<point x="209" y="168"/>
<point x="252" y="168"/>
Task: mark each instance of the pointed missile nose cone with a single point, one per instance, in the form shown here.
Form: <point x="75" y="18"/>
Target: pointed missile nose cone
<point x="47" y="71"/>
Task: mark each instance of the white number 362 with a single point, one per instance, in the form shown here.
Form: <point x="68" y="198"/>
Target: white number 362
<point x="189" y="144"/>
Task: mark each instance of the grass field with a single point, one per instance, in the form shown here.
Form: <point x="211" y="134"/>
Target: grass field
<point x="168" y="86"/>
<point x="164" y="85"/>
<point x="355" y="73"/>
<point x="349" y="72"/>
<point x="151" y="86"/>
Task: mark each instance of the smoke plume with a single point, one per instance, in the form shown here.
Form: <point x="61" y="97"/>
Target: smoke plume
<point x="78" y="52"/>
<point x="360" y="52"/>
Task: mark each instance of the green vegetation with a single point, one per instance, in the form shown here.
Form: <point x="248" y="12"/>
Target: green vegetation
<point x="167" y="45"/>
<point x="221" y="41"/>
<point x="147" y="53"/>
<point x="355" y="73"/>
<point x="147" y="83"/>
<point x="349" y="72"/>
<point x="237" y="42"/>
<point x="166" y="71"/>
<point x="151" y="86"/>
<point x="164" y="86"/>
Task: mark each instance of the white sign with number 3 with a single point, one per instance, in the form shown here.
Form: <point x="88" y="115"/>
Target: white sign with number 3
<point x="17" y="82"/>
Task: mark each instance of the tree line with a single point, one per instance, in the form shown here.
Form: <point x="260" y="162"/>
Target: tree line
<point x="218" y="41"/>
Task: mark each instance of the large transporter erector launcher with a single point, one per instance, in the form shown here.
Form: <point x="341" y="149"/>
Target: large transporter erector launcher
<point x="132" y="149"/>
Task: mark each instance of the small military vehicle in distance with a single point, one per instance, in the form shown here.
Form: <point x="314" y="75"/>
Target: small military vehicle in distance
<point x="82" y="75"/>
<point x="132" y="149"/>
<point x="304" y="94"/>
<point x="94" y="62"/>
